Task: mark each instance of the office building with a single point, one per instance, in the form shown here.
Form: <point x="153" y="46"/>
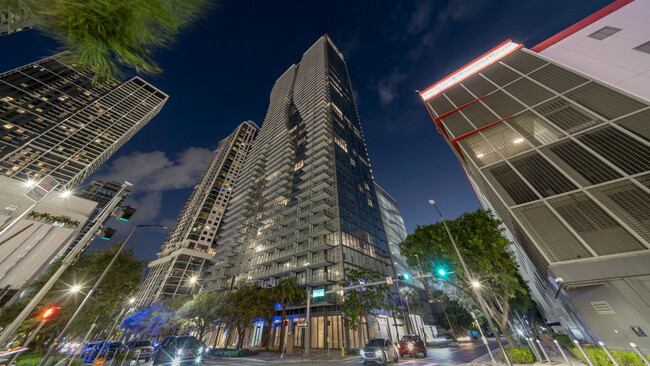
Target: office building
<point x="561" y="155"/>
<point x="54" y="121"/>
<point x="30" y="245"/>
<point x="191" y="244"/>
<point x="305" y="204"/>
<point x="14" y="21"/>
<point x="101" y="192"/>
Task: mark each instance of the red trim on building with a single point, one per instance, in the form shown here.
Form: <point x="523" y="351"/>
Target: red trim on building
<point x="581" y="24"/>
<point x="470" y="133"/>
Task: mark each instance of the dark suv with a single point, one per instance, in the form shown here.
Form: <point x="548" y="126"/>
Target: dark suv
<point x="180" y="351"/>
<point x="412" y="344"/>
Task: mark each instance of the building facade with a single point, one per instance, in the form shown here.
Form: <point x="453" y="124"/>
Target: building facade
<point x="305" y="204"/>
<point x="56" y="122"/>
<point x="191" y="244"/>
<point x="562" y="158"/>
<point x="30" y="246"/>
<point x="101" y="192"/>
<point x="14" y="21"/>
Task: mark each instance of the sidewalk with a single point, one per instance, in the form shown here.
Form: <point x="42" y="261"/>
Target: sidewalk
<point x="556" y="359"/>
<point x="274" y="357"/>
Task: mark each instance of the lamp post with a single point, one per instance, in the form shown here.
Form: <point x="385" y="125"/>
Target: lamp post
<point x="475" y="285"/>
<point x="89" y="294"/>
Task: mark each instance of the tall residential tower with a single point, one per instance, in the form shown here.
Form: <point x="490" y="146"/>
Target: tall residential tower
<point x="192" y="242"/>
<point x="55" y="121"/>
<point x="305" y="204"/>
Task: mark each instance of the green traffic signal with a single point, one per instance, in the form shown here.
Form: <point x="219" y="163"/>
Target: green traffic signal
<point x="405" y="277"/>
<point x="442" y="272"/>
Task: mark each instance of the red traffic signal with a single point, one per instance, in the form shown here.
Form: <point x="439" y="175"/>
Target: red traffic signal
<point x="328" y="323"/>
<point x="50" y="313"/>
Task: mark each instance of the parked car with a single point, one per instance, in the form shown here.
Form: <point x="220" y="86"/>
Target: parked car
<point x="379" y="350"/>
<point x="180" y="351"/>
<point x="89" y="351"/>
<point x="109" y="350"/>
<point x="141" y="347"/>
<point x="412" y="344"/>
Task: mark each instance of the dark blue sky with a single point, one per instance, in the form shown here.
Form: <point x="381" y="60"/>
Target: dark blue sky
<point x="221" y="71"/>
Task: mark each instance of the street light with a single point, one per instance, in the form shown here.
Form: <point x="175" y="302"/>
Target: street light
<point x="476" y="284"/>
<point x="74" y="289"/>
<point x="192" y="280"/>
<point x="469" y="276"/>
<point x="131" y="300"/>
<point x="65" y="194"/>
<point x="89" y="294"/>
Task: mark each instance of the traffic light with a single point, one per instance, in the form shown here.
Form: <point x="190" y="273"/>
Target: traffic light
<point x="405" y="277"/>
<point x="49" y="313"/>
<point x="442" y="272"/>
<point x="108" y="233"/>
<point x="127" y="212"/>
<point x="328" y="323"/>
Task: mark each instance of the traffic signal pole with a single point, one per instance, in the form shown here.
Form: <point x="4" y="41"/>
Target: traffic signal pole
<point x="67" y="262"/>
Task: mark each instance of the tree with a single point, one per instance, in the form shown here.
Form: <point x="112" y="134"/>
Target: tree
<point x="288" y="292"/>
<point x="155" y="320"/>
<point x="487" y="255"/>
<point x="107" y="34"/>
<point x="199" y="313"/>
<point x="263" y="306"/>
<point x="413" y="299"/>
<point x="120" y="283"/>
<point x="363" y="301"/>
<point x="456" y="316"/>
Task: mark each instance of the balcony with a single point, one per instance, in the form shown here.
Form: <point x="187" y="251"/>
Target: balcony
<point x="320" y="230"/>
<point x="323" y="216"/>
<point x="323" y="260"/>
<point x="322" y="204"/>
<point x="322" y="279"/>
<point x="322" y="243"/>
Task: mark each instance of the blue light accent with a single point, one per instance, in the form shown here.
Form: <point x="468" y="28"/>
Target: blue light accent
<point x="123" y="219"/>
<point x="105" y="238"/>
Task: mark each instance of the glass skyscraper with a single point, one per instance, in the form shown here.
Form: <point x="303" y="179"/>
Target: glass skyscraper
<point x="192" y="242"/>
<point x="54" y="121"/>
<point x="305" y="204"/>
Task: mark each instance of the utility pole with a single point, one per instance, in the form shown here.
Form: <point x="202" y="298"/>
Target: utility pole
<point x="477" y="292"/>
<point x="67" y="262"/>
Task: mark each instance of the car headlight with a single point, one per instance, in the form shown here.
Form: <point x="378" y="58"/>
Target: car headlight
<point x="200" y="349"/>
<point x="198" y="359"/>
<point x="410" y="346"/>
<point x="176" y="362"/>
<point x="362" y="353"/>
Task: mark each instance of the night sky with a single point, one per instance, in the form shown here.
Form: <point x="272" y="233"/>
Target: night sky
<point x="220" y="72"/>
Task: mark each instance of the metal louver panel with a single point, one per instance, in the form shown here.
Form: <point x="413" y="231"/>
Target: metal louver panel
<point x="599" y="230"/>
<point x="628" y="202"/>
<point x="620" y="149"/>
<point x="547" y="230"/>
<point x="478" y="85"/>
<point x="499" y="74"/>
<point x="479" y="151"/>
<point x="638" y="123"/>
<point x="440" y="105"/>
<point x="510" y="185"/>
<point x="528" y="92"/>
<point x="602" y="307"/>
<point x="644" y="179"/>
<point x="523" y="61"/>
<point x="479" y="115"/>
<point x="547" y="180"/>
<point x="503" y="104"/>
<point x="459" y="95"/>
<point x="604" y="101"/>
<point x="534" y="129"/>
<point x="457" y="124"/>
<point x="582" y="162"/>
<point x="557" y="78"/>
<point x="566" y="116"/>
<point x="532" y="251"/>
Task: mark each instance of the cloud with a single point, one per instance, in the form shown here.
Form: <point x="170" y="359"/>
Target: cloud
<point x="348" y="45"/>
<point x="420" y="17"/>
<point x="464" y="10"/>
<point x="155" y="172"/>
<point x="387" y="86"/>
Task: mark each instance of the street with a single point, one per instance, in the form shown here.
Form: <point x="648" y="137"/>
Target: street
<point x="442" y="356"/>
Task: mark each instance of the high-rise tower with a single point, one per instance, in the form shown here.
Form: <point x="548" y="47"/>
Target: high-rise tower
<point x="305" y="204"/>
<point x="192" y="242"/>
<point x="55" y="121"/>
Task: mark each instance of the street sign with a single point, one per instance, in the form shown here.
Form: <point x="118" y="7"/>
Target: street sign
<point x="389" y="280"/>
<point x="318" y="293"/>
<point x="303" y="324"/>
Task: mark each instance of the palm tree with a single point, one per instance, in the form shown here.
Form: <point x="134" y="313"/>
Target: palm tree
<point x="287" y="292"/>
<point x="105" y="35"/>
<point x="32" y="215"/>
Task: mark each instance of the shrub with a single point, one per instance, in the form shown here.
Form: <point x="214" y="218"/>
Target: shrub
<point x="352" y="351"/>
<point x="521" y="355"/>
<point x="233" y="352"/>
<point x="564" y="340"/>
<point x="598" y="357"/>
<point x="34" y="360"/>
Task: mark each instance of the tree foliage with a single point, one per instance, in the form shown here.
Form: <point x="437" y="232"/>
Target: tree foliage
<point x="155" y="320"/>
<point x="108" y="34"/>
<point x="198" y="312"/>
<point x="362" y="301"/>
<point x="486" y="253"/>
<point x="120" y="283"/>
<point x="288" y="292"/>
<point x="455" y="317"/>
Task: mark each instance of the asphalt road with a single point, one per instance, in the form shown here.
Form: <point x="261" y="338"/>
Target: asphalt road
<point x="436" y="356"/>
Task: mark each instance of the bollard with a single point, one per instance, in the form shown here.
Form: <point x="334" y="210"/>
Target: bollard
<point x="638" y="352"/>
<point x="602" y="345"/>
<point x="531" y="343"/>
<point x="583" y="352"/>
<point x="544" y="351"/>
<point x="559" y="347"/>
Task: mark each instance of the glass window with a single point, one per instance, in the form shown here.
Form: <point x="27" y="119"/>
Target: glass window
<point x="534" y="129"/>
<point x="604" y="33"/>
